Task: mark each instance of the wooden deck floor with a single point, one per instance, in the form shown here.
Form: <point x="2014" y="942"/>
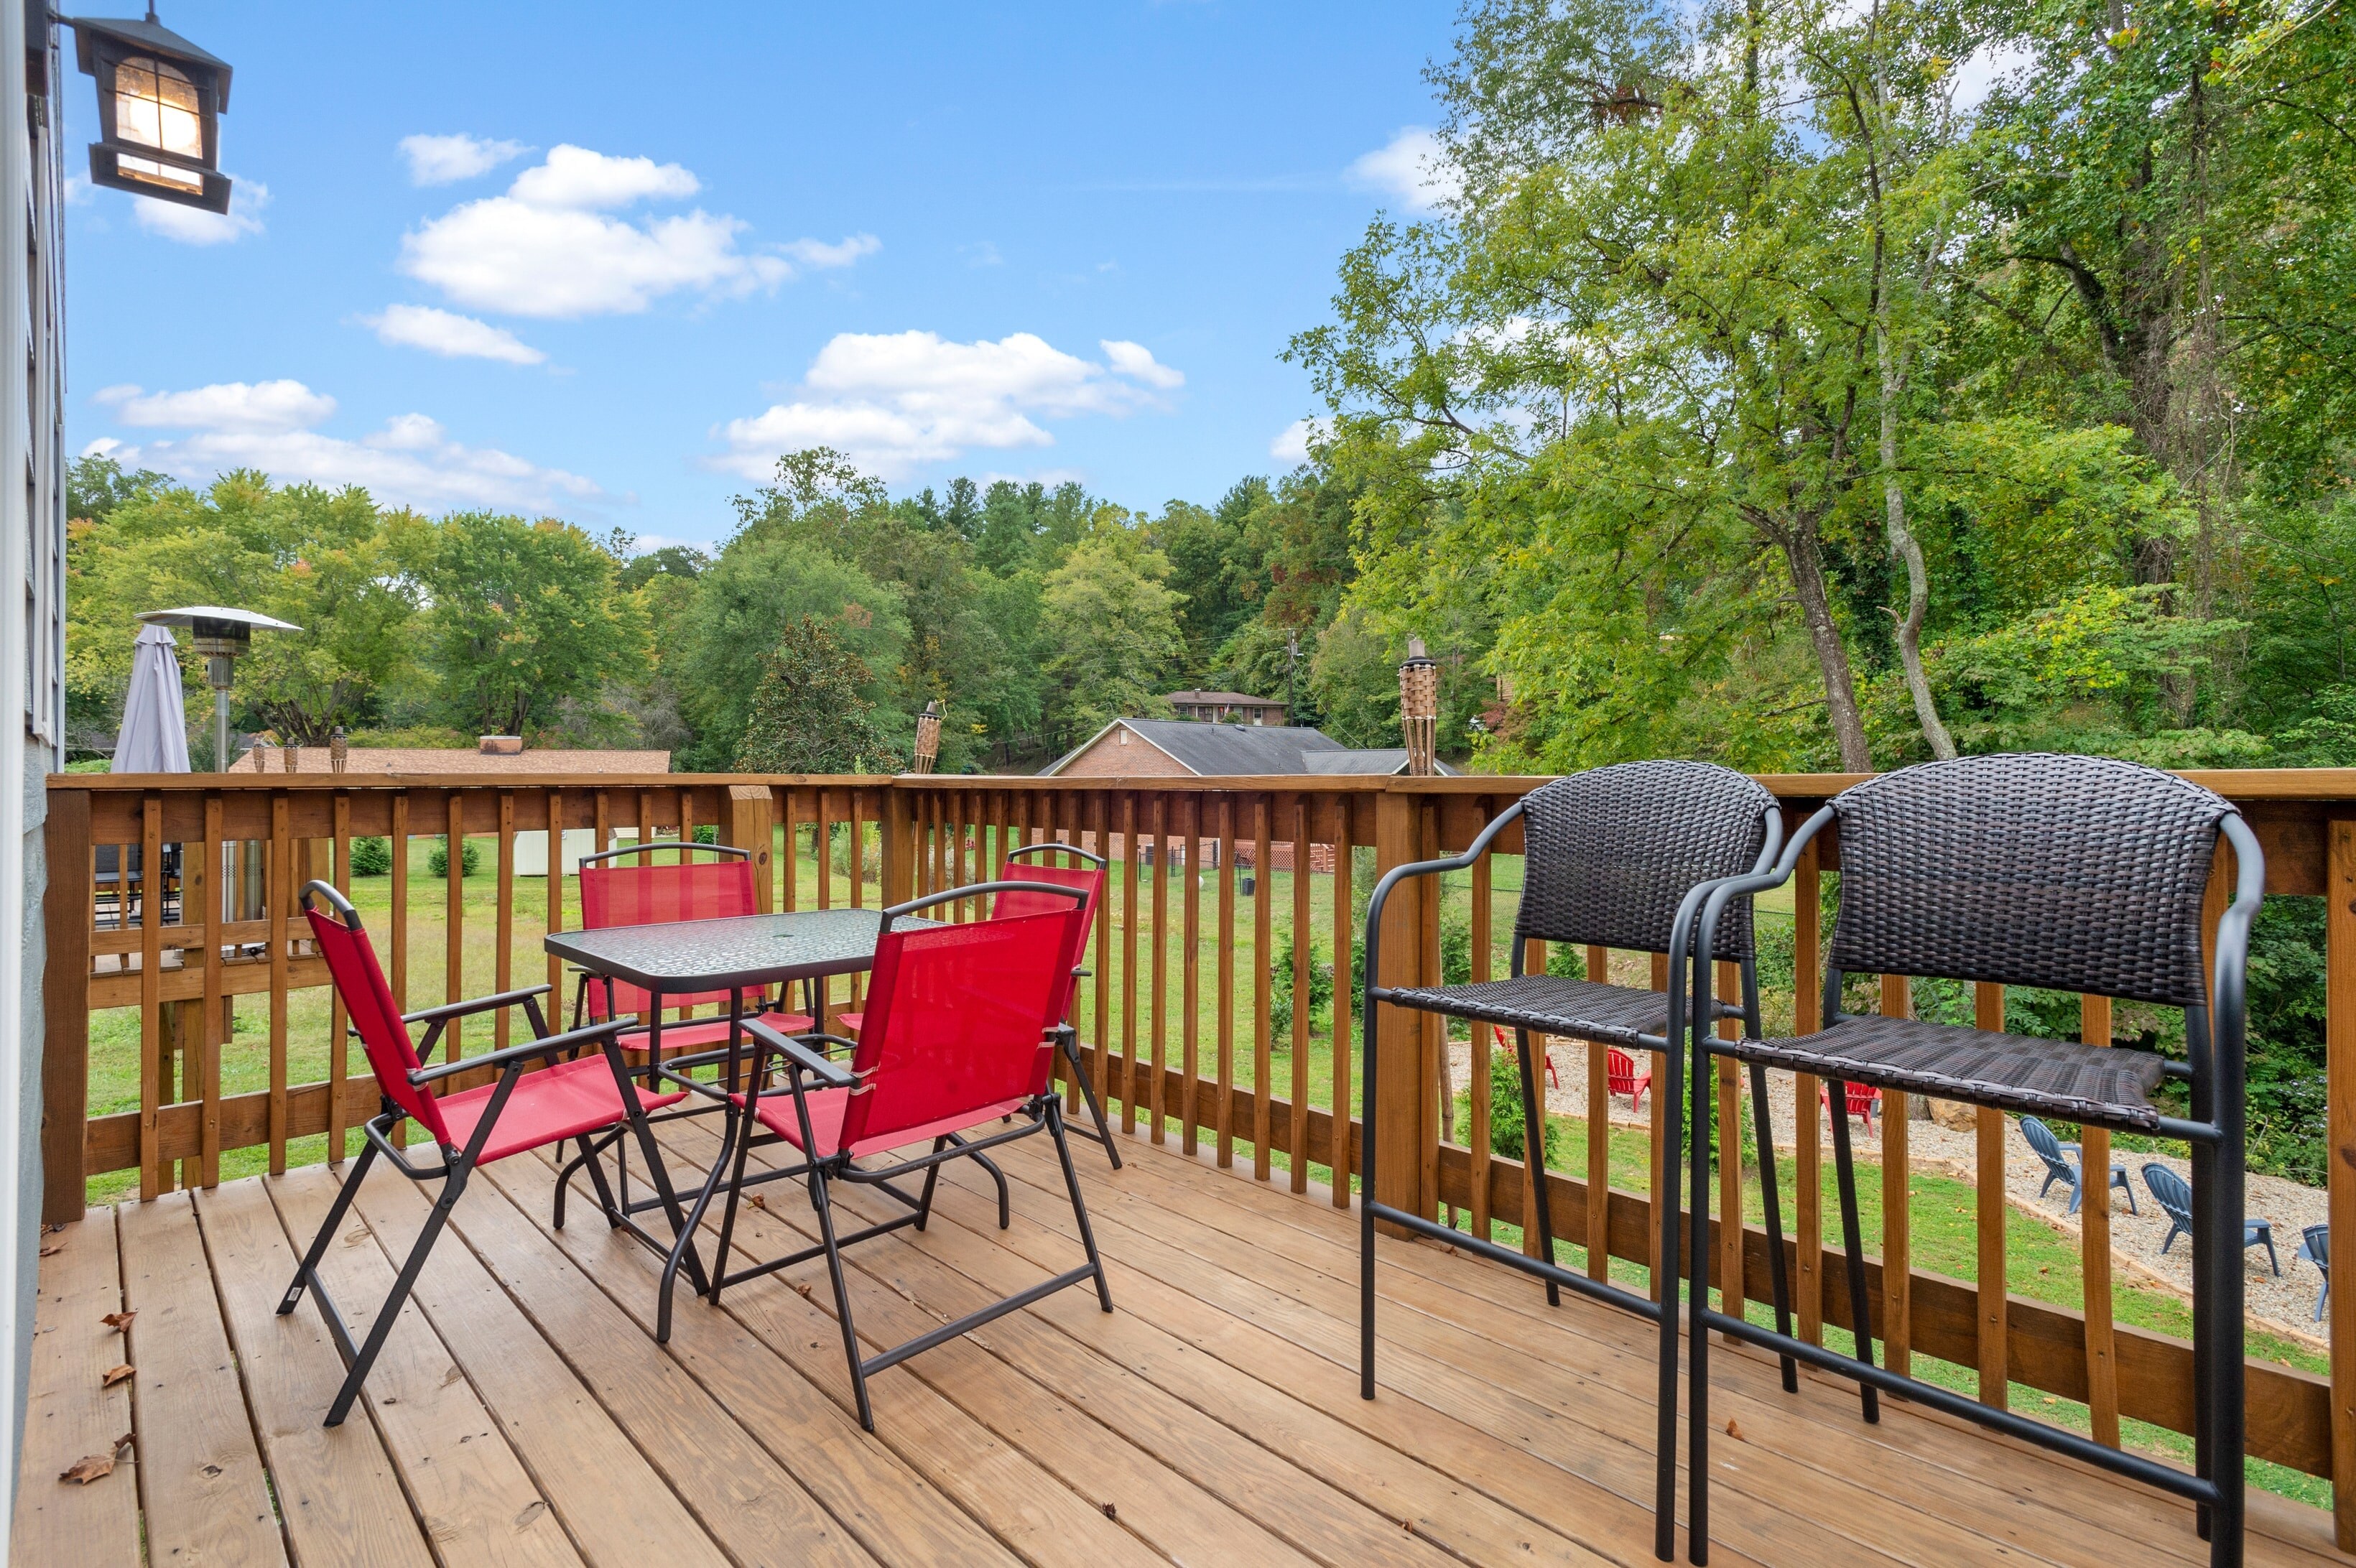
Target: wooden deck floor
<point x="522" y="1415"/>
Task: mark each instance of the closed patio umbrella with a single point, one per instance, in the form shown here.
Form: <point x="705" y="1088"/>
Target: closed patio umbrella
<point x="154" y="734"/>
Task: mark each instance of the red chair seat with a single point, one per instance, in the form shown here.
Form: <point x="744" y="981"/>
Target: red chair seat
<point x="548" y="1105"/>
<point x="849" y="1021"/>
<point x="827" y="1106"/>
<point x="697" y="1033"/>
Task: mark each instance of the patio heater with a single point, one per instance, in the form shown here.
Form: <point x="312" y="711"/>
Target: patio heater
<point x="160" y="100"/>
<point x="222" y="636"/>
<point x="1419" y="707"/>
<point x="928" y="737"/>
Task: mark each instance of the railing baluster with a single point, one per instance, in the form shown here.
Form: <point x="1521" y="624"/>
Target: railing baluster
<point x="1190" y="970"/>
<point x="1155" y="1091"/>
<point x="154" y="1180"/>
<point x="282" y="899"/>
<point x="822" y="845"/>
<point x="1660" y="1150"/>
<point x="1263" y="973"/>
<point x="1345" y="991"/>
<point x="399" y="849"/>
<point x="338" y="1042"/>
<point x="1129" y="961"/>
<point x="1732" y="1289"/>
<point x="1896" y="1210"/>
<point x="1599" y="1136"/>
<point x="503" y="960"/>
<point x="1100" y="817"/>
<point x="454" y="913"/>
<point x="1223" y="1110"/>
<point x="1304" y="957"/>
<point x="2095" y="1211"/>
<point x="553" y="810"/>
<point x="216" y="1031"/>
<point x="1477" y="1051"/>
<point x="1990" y="1126"/>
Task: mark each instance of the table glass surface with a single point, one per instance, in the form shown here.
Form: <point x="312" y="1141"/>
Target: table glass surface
<point x="741" y="950"/>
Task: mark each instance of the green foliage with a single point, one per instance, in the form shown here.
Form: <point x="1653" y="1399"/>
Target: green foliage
<point x="1114" y="627"/>
<point x="1508" y="1127"/>
<point x="811" y="713"/>
<point x="437" y="859"/>
<point x="374" y="857"/>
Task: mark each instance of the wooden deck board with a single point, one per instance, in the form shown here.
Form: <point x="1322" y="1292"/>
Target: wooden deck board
<point x="338" y="1492"/>
<point x="69" y="1414"/>
<point x="477" y="1502"/>
<point x="522" y="1413"/>
<point x="202" y="1480"/>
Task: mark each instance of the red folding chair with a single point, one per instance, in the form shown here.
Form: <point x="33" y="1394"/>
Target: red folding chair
<point x="580" y="1097"/>
<point x="648" y="895"/>
<point x="1621" y="1076"/>
<point x="1863" y="1101"/>
<point x="957" y="1038"/>
<point x="1090" y="881"/>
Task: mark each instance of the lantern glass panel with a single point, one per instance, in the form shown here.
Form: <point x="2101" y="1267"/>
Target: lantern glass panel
<point x="157" y="106"/>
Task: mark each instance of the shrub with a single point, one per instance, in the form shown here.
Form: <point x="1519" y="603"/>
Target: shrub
<point x="371" y="857"/>
<point x="1506" y="1126"/>
<point x="470" y="859"/>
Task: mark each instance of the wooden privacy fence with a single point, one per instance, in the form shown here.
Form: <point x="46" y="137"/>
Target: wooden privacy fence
<point x="172" y="895"/>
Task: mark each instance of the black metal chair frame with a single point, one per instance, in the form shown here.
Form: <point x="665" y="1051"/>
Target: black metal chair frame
<point x="2215" y="1132"/>
<point x="1067" y="1038"/>
<point x="457" y="1165"/>
<point x="1671" y="1043"/>
<point x="805" y="1069"/>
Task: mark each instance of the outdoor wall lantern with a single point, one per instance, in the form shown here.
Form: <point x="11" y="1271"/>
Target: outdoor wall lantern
<point x="222" y="636"/>
<point x="160" y="100"/>
<point x="928" y="737"/>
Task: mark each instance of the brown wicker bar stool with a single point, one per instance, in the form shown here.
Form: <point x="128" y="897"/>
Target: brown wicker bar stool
<point x="1621" y="857"/>
<point x="2074" y="873"/>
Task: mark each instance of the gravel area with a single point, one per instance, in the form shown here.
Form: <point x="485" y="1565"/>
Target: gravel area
<point x="2284" y="1305"/>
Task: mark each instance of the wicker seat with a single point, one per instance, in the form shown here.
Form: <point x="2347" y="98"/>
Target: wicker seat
<point x="2107" y="1087"/>
<point x="2070" y="872"/>
<point x="1615" y="857"/>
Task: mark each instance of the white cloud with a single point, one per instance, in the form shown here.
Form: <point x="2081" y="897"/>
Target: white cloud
<point x="450" y="335"/>
<point x="1985" y="67"/>
<point x="442" y="160"/>
<point x="273" y="426"/>
<point x="899" y="400"/>
<point x="575" y="177"/>
<point x="1136" y="359"/>
<point x="1291" y="443"/>
<point x="545" y="249"/>
<point x="817" y="254"/>
<point x="1411" y="168"/>
<point x="195" y="226"/>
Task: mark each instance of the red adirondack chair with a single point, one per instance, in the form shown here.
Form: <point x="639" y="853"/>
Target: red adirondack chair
<point x="956" y="1040"/>
<point x="1089" y="880"/>
<point x="1864" y="1103"/>
<point x="1622" y="1075"/>
<point x="591" y="1097"/>
<point x="648" y="893"/>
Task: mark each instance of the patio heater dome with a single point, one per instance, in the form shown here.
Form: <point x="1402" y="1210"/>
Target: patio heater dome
<point x="222" y="636"/>
<point x="160" y="99"/>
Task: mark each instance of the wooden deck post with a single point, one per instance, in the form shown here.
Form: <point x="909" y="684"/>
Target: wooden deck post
<point x="2340" y="1086"/>
<point x="898" y="829"/>
<point x="750" y="824"/>
<point x="65" y="1005"/>
<point x="1406" y="1125"/>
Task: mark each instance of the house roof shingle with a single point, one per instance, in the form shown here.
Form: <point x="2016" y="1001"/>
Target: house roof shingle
<point x="1231" y="750"/>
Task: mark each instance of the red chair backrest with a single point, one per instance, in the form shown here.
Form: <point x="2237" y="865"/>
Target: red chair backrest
<point x="623" y="894"/>
<point x="955" y="1015"/>
<point x="1620" y="1072"/>
<point x="1089" y="880"/>
<point x="359" y="980"/>
<point x="1863" y="1097"/>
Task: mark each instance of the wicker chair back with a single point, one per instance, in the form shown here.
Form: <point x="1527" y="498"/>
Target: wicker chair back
<point x="1612" y="852"/>
<point x="2075" y="873"/>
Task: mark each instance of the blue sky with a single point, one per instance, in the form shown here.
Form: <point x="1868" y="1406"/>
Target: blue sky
<point x="606" y="261"/>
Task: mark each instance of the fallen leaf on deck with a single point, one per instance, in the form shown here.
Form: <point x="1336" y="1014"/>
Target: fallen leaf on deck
<point x="94" y="1466"/>
<point x="120" y="1319"/>
<point x="1734" y="1430"/>
<point x="120" y="1374"/>
<point x="52" y="1251"/>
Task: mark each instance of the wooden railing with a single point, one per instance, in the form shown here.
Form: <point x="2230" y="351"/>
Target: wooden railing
<point x="1181" y="1017"/>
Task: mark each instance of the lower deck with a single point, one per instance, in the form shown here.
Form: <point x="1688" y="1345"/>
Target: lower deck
<point x="521" y="1414"/>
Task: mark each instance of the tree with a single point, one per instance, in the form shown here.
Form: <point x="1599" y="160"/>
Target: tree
<point x="525" y="618"/>
<point x="811" y="713"/>
<point x="1110" y="627"/>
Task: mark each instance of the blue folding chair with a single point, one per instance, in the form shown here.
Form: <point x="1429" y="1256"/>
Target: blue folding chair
<point x="2064" y="1162"/>
<point x="2315" y="1246"/>
<point x="2174" y="1195"/>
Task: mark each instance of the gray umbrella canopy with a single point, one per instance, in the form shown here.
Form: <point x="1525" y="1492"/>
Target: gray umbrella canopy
<point x="155" y="737"/>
